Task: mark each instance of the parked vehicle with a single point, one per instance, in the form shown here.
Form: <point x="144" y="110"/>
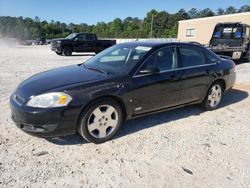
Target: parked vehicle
<point x="231" y="39"/>
<point x="40" y="41"/>
<point x="80" y="42"/>
<point x="123" y="82"/>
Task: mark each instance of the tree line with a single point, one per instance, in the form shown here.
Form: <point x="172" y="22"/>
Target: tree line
<point x="165" y="25"/>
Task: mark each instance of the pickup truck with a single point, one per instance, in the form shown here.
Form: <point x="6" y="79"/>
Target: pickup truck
<point x="80" y="42"/>
<point x="231" y="39"/>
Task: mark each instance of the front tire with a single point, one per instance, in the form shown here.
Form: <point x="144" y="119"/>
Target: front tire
<point x="59" y="53"/>
<point x="67" y="51"/>
<point x="100" y="121"/>
<point x="213" y="97"/>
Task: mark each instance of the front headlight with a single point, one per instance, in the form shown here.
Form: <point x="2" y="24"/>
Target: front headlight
<point x="50" y="100"/>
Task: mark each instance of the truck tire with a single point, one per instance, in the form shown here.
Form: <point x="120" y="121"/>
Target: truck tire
<point x="67" y="51"/>
<point x="248" y="55"/>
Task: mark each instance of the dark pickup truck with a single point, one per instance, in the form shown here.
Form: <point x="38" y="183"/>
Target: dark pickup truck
<point x="80" y="42"/>
<point x="231" y="39"/>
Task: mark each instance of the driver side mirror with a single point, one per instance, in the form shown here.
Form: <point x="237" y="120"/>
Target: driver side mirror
<point x="150" y="70"/>
<point x="76" y="39"/>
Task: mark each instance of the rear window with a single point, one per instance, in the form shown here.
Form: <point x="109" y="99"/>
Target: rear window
<point x="227" y="32"/>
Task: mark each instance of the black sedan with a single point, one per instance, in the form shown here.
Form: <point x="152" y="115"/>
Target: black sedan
<point x="122" y="82"/>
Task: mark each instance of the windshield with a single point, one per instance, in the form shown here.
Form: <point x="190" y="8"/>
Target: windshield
<point x="228" y="32"/>
<point x="119" y="58"/>
<point x="71" y="36"/>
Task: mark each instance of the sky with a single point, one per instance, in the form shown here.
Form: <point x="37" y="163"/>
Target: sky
<point x="93" y="11"/>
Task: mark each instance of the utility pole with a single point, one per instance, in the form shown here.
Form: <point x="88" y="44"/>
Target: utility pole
<point x="152" y="26"/>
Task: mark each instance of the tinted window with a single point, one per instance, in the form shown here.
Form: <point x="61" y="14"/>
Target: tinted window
<point x="81" y="37"/>
<point x="191" y="56"/>
<point x="228" y="31"/>
<point x="163" y="59"/>
<point x="89" y="37"/>
<point x="211" y="58"/>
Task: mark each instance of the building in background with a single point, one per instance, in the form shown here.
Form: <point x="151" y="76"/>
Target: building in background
<point x="201" y="29"/>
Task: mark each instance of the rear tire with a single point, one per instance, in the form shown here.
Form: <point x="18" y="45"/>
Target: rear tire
<point x="213" y="97"/>
<point x="100" y="121"/>
<point x="67" y="51"/>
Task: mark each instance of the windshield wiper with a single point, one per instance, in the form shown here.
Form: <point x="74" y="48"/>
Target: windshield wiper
<point x="95" y="69"/>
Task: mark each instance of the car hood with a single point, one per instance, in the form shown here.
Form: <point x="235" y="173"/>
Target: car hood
<point x="55" y="78"/>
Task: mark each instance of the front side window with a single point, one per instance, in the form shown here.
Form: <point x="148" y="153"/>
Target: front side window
<point x="191" y="56"/>
<point x="90" y="37"/>
<point x="163" y="59"/>
<point x="81" y="37"/>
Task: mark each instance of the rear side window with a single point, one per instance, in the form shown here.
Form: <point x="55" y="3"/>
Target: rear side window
<point x="191" y="56"/>
<point x="211" y="58"/>
<point x="81" y="37"/>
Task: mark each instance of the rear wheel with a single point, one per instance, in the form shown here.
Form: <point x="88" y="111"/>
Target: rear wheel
<point x="67" y="51"/>
<point x="213" y="97"/>
<point x="101" y="121"/>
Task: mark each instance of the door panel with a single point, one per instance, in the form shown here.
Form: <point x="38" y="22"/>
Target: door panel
<point x="196" y="75"/>
<point x="158" y="90"/>
<point x="195" y="82"/>
<point x="155" y="92"/>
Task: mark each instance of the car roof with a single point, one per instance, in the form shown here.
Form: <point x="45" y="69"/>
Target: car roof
<point x="157" y="43"/>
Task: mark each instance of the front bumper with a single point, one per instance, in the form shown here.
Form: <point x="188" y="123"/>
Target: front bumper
<point x="55" y="47"/>
<point x="44" y="122"/>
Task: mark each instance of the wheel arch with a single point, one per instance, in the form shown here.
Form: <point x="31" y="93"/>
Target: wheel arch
<point x="67" y="45"/>
<point x="112" y="97"/>
<point x="220" y="80"/>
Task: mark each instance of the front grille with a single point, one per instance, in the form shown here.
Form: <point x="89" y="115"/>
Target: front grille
<point x="54" y="45"/>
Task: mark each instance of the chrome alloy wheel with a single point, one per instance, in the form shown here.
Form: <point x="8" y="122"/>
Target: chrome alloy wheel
<point x="102" y="121"/>
<point x="215" y="96"/>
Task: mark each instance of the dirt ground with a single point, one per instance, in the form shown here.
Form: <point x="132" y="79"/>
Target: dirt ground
<point x="186" y="147"/>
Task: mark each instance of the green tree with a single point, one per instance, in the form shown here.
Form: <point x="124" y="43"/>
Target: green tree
<point x="116" y="27"/>
<point x="206" y="13"/>
<point x="230" y="10"/>
<point x="220" y="11"/>
<point x="245" y="8"/>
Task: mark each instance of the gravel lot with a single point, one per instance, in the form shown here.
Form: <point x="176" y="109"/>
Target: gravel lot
<point x="186" y="147"/>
